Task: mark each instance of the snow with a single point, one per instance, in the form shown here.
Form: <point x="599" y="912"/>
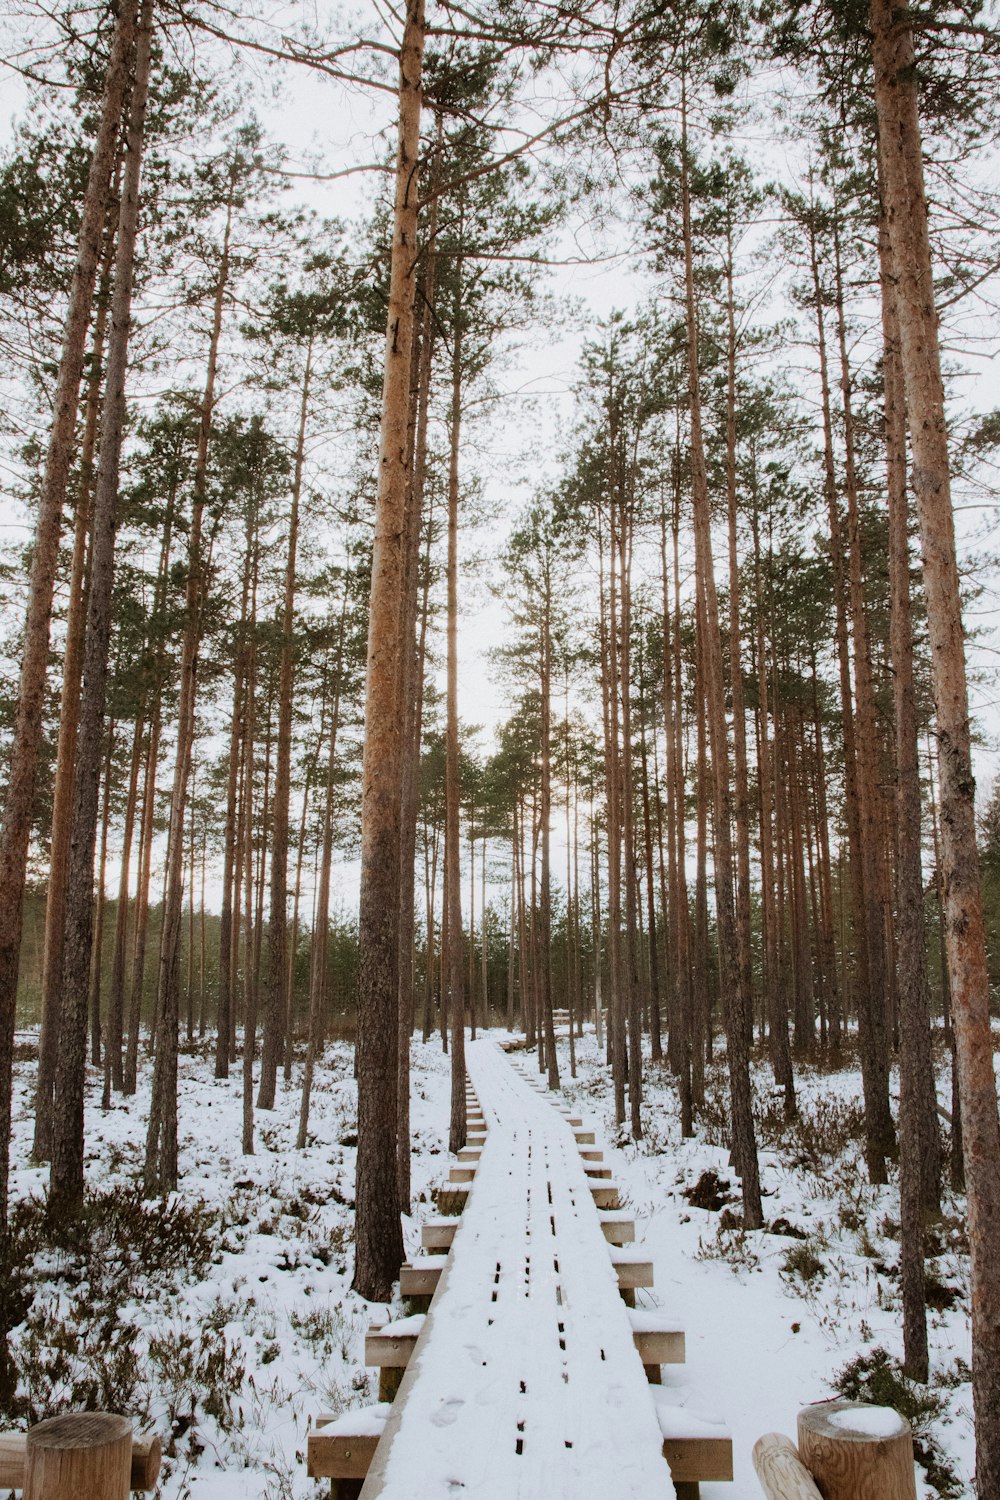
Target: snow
<point x="653" y="1320"/>
<point x="525" y="1381"/>
<point x="761" y="1340"/>
<point x="403" y="1328"/>
<point x="272" y="1314"/>
<point x="870" y="1421"/>
<point x="363" y="1421"/>
<point x="682" y="1414"/>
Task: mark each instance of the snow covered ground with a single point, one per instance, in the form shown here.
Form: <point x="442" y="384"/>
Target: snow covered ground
<point x="227" y="1320"/>
<point x="230" y="1355"/>
<point x="772" y="1319"/>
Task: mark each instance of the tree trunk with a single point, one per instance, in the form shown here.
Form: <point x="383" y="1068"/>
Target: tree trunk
<point x="741" y="794"/>
<point x="69" y="716"/>
<point x="680" y="1025"/>
<point x="113" y="1071"/>
<point x="66" y="1179"/>
<point x="545" y="894"/>
<point x="321" y="921"/>
<point x="378" y="1234"/>
<point x="413" y="699"/>
<point x="224" y="1019"/>
<point x="276" y="947"/>
<point x="630" y="995"/>
<point x="781" y="1060"/>
<point x="453" y="791"/>
<point x="876" y="1145"/>
<point x="26" y="738"/>
<point x="250" y="927"/>
<point x="95" y="975"/>
<point x="915" y="1039"/>
<point x="736" y="1001"/>
<point x="906" y="213"/>
<point x="866" y="735"/>
<point x="160" y="1166"/>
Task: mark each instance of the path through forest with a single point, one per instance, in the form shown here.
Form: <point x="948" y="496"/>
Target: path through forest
<point x="526" y="1381"/>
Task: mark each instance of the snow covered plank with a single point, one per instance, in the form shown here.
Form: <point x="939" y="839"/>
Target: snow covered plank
<point x="343" y="1447"/>
<point x="525" y="1380"/>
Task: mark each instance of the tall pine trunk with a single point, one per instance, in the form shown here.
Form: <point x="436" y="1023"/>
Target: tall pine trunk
<point x="66" y="1179"/>
<point x="453" y="791"/>
<point x="276" y="946"/>
<point x="26" y="739"/>
<point x="906" y="214"/>
<point x="378" y="1235"/>
<point x="160" y="1166"/>
<point x="69" y="715"/>
<point x="736" y="1000"/>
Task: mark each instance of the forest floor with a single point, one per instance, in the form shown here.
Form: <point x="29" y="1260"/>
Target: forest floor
<point x="224" y="1318"/>
<point x="810" y="1307"/>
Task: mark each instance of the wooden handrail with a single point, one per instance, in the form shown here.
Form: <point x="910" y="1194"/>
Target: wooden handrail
<point x="781" y="1472"/>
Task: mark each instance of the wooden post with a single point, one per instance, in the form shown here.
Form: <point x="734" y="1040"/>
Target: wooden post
<point x="146" y="1455"/>
<point x="857" y="1452"/>
<point x="83" y="1455"/>
<point x="781" y="1472"/>
<point x="346" y="1489"/>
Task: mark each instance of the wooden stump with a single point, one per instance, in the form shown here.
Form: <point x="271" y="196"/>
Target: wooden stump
<point x="146" y="1456"/>
<point x="857" y="1452"/>
<point x="84" y="1455"/>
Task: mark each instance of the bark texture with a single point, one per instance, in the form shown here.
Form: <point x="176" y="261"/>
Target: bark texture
<point x="378" y="1238"/>
<point x="906" y="217"/>
<point x="66" y="1178"/>
<point x="19" y="804"/>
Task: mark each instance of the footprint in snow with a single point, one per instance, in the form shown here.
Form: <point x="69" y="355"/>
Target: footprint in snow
<point x="447" y="1412"/>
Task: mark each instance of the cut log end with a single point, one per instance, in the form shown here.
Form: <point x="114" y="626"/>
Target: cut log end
<point x="79" y="1456"/>
<point x="857" y="1452"/>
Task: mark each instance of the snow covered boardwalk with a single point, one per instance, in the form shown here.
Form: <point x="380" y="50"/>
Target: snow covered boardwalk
<point x="525" y="1380"/>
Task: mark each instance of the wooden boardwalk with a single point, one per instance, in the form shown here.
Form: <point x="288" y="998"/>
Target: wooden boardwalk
<point x="530" y="1375"/>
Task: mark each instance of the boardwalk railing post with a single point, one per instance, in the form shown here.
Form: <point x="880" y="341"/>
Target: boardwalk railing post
<point x="84" y="1455"/>
<point x="857" y="1452"/>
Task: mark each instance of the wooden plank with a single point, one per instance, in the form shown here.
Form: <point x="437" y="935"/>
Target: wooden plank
<point x="420" y="1279"/>
<point x="437" y="1234"/>
<point x="525" y="1379"/>
<point x="339" y="1456"/>
<point x="464" y="1173"/>
<point x="585" y="1138"/>
<point x="699" y="1459"/>
<point x="596" y="1170"/>
<point x="634" y="1273"/>
<point x="605" y="1194"/>
<point x="667" y="1348"/>
<point x="385" y="1351"/>
<point x="389" y="1348"/>
<point x="617" y="1226"/>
